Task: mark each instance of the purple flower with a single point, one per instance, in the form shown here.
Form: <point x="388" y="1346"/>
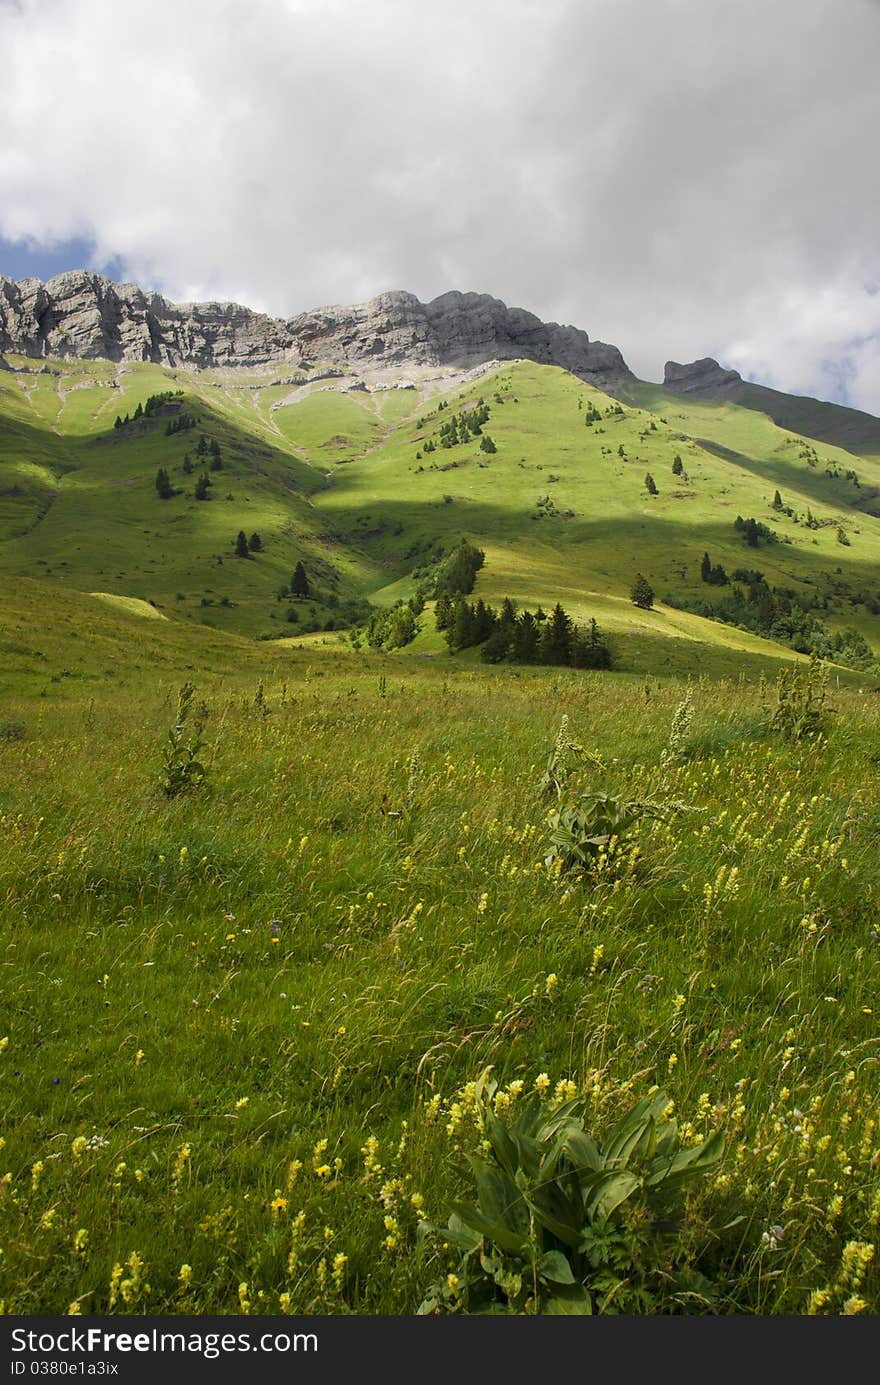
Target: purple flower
<point x="56" y="1081"/>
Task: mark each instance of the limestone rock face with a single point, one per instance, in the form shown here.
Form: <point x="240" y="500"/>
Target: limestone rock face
<point x="84" y="315"/>
<point x="701" y="377"/>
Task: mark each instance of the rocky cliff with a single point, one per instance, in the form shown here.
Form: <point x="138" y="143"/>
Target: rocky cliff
<point x="705" y="377"/>
<point x="84" y="315"/>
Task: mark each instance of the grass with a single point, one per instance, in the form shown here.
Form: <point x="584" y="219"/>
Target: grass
<point x="241" y="1023"/>
<point x="244" y="1025"/>
<point x="338" y="479"/>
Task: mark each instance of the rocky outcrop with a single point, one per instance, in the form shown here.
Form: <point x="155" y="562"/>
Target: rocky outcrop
<point x="705" y="377"/>
<point x="84" y="315"/>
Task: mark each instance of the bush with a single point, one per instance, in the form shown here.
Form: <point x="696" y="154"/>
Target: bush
<point x="566" y="1223"/>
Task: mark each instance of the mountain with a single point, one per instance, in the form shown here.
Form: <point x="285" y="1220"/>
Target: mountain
<point x="80" y="315"/>
<point x="139" y="440"/>
<point x="835" y="423"/>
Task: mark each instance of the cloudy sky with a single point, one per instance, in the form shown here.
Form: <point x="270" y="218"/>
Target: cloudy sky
<point x="679" y="177"/>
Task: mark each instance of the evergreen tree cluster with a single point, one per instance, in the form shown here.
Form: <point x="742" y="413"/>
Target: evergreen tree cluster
<point x="520" y="639"/>
<point x="776" y="614"/>
<point x="458" y="572"/>
<point x="149" y="409"/>
<point x="246" y="547"/>
<point x="753" y="531"/>
<point x="462" y="427"/>
<point x="181" y="423"/>
<point x="714" y="575"/>
<point x="591" y="415"/>
<point x="163" y="484"/>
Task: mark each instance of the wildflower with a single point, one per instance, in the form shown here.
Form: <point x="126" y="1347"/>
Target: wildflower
<point x="244" y="1302"/>
<point x="80" y="1241"/>
<point x="139" y="1057"/>
<point x="278" y="1204"/>
<point x="284" y="1302"/>
<point x="483" y="903"/>
<point x="339" y="1263"/>
<point x="78" y="1147"/>
<point x="853" y="1305"/>
<point x="184" y="1276"/>
<point x="550" y="984"/>
<point x="242" y="1103"/>
<point x="542" y="1084"/>
<point x="73" y="1309"/>
<point x="36" y="1174"/>
<point x="453" y="1281"/>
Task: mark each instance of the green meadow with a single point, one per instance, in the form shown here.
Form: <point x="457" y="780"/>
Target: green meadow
<point x="340" y="981"/>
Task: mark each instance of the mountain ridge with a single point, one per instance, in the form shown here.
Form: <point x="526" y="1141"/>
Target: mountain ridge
<point x="82" y="315"/>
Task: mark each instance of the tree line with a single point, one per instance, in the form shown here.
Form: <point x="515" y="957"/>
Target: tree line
<point x="523" y="638"/>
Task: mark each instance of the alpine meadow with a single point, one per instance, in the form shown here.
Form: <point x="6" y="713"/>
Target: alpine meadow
<point x="439" y="819"/>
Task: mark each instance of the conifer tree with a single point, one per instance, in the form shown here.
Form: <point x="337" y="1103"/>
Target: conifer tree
<point x="241" y="545"/>
<point x="651" y="484"/>
<point x="299" y="583"/>
<point x="642" y="593"/>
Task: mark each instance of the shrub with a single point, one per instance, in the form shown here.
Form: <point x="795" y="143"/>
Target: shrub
<point x="566" y="1223"/>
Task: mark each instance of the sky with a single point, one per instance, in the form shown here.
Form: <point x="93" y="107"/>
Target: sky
<point x="683" y="179"/>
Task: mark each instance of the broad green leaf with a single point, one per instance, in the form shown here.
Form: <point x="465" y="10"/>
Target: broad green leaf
<point x="610" y="1191"/>
<point x="574" y="1301"/>
<point x="554" y="1266"/>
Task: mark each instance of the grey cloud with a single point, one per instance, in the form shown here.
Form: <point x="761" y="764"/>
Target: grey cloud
<point x="680" y="179"/>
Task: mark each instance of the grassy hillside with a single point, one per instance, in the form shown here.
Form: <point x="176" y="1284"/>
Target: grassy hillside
<point x="243" y="1026"/>
<point x="339" y="478"/>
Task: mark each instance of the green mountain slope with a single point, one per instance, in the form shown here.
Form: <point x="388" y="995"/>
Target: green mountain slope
<point x="350" y="478"/>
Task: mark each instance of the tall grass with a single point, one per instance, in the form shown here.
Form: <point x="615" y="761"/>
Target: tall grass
<point x="240" y="1024"/>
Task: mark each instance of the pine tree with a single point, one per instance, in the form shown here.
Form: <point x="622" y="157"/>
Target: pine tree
<point x="486" y="444"/>
<point x="443" y="613"/>
<point x="651" y="485"/>
<point x="255" y="543"/>
<point x="642" y="594"/>
<point x="163" y="484"/>
<point x="203" y="487"/>
<point x="139" y="411"/>
<point x="118" y="423"/>
<point x="677" y="466"/>
<point x="525" y="640"/>
<point x="706" y="568"/>
<point x="777" y="501"/>
<point x="187" y="463"/>
<point x="556" y="637"/>
<point x="299" y="583"/>
<point x="241" y="545"/>
<point x="460" y="634"/>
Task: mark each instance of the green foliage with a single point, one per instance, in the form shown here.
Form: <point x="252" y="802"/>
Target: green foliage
<point x="182" y="770"/>
<point x="594" y="830"/>
<point x="299" y="583"/>
<point x="458" y="572"/>
<point x="389" y="629"/>
<point x="651" y="485"/>
<point x="567" y="1222"/>
<point x="642" y="593"/>
<point x="802" y="710"/>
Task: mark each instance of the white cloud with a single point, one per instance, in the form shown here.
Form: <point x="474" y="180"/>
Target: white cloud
<point x="681" y="179"/>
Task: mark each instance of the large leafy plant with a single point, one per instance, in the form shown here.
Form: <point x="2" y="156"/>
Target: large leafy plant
<point x="564" y="1223"/>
